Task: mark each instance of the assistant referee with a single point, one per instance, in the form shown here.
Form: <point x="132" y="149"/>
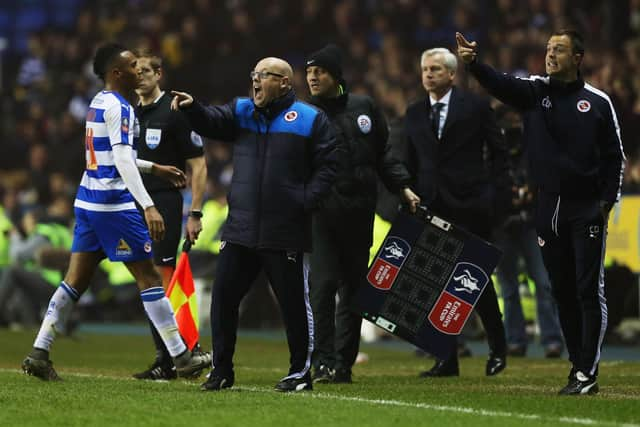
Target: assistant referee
<point x="166" y="138"/>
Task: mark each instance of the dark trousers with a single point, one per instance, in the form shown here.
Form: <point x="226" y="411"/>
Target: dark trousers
<point x="238" y="267"/>
<point x="572" y="236"/>
<point x="338" y="267"/>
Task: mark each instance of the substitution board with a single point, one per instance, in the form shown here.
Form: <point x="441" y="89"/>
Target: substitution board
<point x="425" y="280"/>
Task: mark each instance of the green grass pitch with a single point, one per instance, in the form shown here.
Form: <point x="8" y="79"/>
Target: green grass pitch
<point x="97" y="391"/>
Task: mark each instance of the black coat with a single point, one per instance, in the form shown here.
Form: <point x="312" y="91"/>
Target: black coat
<point x="464" y="175"/>
<point x="571" y="131"/>
<point x="365" y="154"/>
<point x="283" y="166"/>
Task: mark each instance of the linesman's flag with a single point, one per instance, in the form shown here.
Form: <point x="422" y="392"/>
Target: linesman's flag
<point x="182" y="295"/>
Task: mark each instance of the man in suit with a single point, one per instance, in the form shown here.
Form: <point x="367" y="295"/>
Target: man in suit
<point x="458" y="159"/>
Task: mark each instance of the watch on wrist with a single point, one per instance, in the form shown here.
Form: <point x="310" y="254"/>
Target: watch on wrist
<point x="196" y="214"/>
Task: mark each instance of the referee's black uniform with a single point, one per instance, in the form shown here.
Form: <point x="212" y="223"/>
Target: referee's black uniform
<point x="165" y="138"/>
<point x="576" y="161"/>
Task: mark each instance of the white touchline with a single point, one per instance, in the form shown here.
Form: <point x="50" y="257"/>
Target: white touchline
<point x="445" y="408"/>
<point x="387" y="402"/>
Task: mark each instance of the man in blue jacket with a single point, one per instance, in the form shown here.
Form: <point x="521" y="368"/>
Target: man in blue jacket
<point x="284" y="164"/>
<point x="576" y="160"/>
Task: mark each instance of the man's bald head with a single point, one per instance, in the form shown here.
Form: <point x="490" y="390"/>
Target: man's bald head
<point x="276" y="65"/>
<point x="271" y="79"/>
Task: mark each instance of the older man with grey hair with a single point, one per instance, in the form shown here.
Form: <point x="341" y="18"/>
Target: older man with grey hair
<point x="448" y="133"/>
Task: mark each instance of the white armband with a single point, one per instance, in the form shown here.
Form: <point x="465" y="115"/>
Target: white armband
<point x="144" y="166"/>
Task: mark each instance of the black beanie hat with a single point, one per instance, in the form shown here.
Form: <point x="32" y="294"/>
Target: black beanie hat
<point x="329" y="58"/>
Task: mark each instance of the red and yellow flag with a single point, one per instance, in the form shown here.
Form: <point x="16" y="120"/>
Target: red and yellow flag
<point x="182" y="295"/>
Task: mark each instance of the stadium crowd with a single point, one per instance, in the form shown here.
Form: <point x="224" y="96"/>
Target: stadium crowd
<point x="208" y="45"/>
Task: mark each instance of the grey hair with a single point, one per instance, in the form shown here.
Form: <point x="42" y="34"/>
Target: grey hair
<point x="450" y="60"/>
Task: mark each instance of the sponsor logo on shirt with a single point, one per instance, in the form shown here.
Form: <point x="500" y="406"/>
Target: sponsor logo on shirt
<point x="364" y="123"/>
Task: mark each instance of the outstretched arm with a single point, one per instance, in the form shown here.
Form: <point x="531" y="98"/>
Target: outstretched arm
<point x="511" y="90"/>
<point x="216" y="122"/>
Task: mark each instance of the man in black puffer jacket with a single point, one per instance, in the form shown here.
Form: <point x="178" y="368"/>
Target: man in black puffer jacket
<point x="343" y="227"/>
<point x="284" y="164"/>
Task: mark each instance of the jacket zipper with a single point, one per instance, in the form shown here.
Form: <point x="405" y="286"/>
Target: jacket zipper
<point x="262" y="150"/>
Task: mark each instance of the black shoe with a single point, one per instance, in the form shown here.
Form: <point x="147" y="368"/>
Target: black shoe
<point x="495" y="365"/>
<point x="342" y="376"/>
<point x="322" y="375"/>
<point x="158" y="371"/>
<point x="41" y="368"/>
<point x="517" y="350"/>
<point x="294" y="384"/>
<point x="442" y="368"/>
<point x="580" y="384"/>
<point x="217" y="382"/>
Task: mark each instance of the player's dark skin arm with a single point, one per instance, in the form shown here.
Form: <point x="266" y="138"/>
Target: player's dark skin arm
<point x="170" y="173"/>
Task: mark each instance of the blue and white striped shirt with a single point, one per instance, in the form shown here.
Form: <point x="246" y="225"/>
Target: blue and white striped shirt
<point x="110" y="121"/>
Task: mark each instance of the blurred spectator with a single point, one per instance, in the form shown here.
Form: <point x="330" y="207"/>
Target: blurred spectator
<point x="206" y="43"/>
<point x="37" y="260"/>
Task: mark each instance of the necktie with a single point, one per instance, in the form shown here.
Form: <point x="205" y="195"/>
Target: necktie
<point x="435" y="118"/>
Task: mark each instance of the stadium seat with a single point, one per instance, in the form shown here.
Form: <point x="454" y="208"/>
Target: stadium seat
<point x="30" y="19"/>
<point x="63" y="13"/>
